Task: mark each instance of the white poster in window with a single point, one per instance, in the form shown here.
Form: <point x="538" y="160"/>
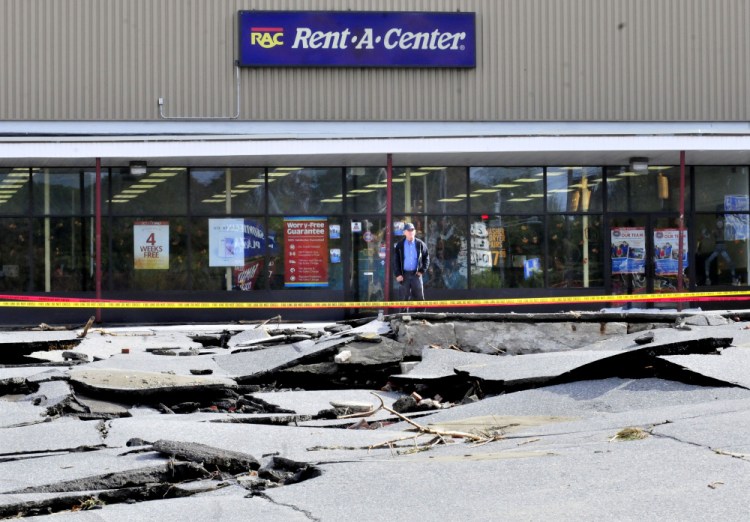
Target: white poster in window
<point x="226" y="242"/>
<point x="151" y="245"/>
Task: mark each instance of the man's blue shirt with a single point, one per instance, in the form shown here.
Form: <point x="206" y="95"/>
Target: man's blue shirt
<point x="410" y="255"/>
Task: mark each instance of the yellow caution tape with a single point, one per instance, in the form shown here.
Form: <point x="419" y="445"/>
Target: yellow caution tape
<point x="452" y="303"/>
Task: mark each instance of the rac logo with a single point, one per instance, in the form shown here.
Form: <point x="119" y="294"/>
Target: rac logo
<point x="266" y="37"/>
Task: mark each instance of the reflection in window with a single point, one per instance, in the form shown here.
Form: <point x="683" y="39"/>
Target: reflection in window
<point x="14" y="191"/>
<point x="64" y="261"/>
<point x="122" y="263"/>
<point x="304" y="191"/>
<point x="501" y="189"/>
<point x="366" y="189"/>
<point x="227" y="191"/>
<point x="447" y="244"/>
<point x="161" y="191"/>
<point x="433" y="190"/>
<point x="507" y="252"/>
<point x="575" y="249"/>
<point x="327" y="259"/>
<point x="653" y="189"/>
<point x="721" y="188"/>
<point x="722" y="248"/>
<point x="14" y="255"/>
<point x="574" y="189"/>
<point x="367" y="261"/>
<point x="63" y="191"/>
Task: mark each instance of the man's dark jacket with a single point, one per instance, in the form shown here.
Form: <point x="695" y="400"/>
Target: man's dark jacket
<point x="397" y="260"/>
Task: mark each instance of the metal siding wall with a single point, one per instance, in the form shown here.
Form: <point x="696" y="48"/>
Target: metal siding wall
<point x="536" y="60"/>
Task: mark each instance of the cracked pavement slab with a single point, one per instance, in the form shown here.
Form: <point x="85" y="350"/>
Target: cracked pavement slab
<point x="554" y="451"/>
<point x="731" y="366"/>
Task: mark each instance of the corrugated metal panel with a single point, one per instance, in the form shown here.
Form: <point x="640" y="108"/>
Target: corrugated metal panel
<point x="537" y="60"/>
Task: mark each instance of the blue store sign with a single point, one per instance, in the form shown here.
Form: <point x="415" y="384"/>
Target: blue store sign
<point x="356" y="39"/>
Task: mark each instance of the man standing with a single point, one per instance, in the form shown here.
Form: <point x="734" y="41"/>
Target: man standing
<point x="409" y="261"/>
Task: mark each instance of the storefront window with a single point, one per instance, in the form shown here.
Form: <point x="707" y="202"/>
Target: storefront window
<point x="574" y="189"/>
<point x="14" y="191"/>
<point x="722" y="249"/>
<point x="215" y="192"/>
<point x="63" y="192"/>
<point x="507" y="252"/>
<point x="366" y="259"/>
<point x="63" y="254"/>
<point x="448" y="247"/>
<point x="576" y="251"/>
<point x="230" y="253"/>
<point x="721" y="188"/>
<point x="160" y="192"/>
<point x="306" y="253"/>
<point x="14" y="255"/>
<point x="303" y="191"/>
<point x="497" y="190"/>
<point x="366" y="189"/>
<point x="433" y="190"/>
<point x="148" y="253"/>
<point x="651" y="190"/>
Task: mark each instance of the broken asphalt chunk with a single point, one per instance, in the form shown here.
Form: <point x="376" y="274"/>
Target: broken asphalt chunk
<point x="167" y="472"/>
<point x="209" y="457"/>
<point x="248" y="337"/>
<point x="645" y="338"/>
<point x="285" y="471"/>
<point x="75" y="356"/>
<point x="730" y="367"/>
<point x="247" y="366"/>
<point x="206" y="340"/>
<point x="143" y="384"/>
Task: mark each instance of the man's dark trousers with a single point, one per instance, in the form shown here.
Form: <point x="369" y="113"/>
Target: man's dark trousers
<point x="412" y="288"/>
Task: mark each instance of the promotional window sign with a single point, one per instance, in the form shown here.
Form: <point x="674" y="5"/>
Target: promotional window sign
<point x="246" y="277"/>
<point x="666" y="250"/>
<point x="151" y="245"/>
<point x="305" y="252"/>
<point x="736" y="226"/>
<point x="226" y="238"/>
<point x="628" y="250"/>
<point x="231" y="241"/>
<point x="496" y="236"/>
<point x="356" y="39"/>
<point x="334" y="231"/>
<point x="531" y="267"/>
<point x="481" y="256"/>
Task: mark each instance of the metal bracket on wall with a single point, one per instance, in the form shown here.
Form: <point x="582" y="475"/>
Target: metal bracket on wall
<point x="237" y="103"/>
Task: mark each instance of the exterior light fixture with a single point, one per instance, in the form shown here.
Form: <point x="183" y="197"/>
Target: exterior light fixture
<point x="638" y="164"/>
<point x="137" y="168"/>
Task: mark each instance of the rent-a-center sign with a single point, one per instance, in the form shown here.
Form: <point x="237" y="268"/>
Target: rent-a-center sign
<point x="356" y="39"/>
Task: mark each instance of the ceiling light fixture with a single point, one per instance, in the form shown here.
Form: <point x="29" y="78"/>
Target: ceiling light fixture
<point x="638" y="164"/>
<point x="138" y="168"/>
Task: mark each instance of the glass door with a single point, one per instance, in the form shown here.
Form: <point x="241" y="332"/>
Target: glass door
<point x="644" y="254"/>
<point x="366" y="281"/>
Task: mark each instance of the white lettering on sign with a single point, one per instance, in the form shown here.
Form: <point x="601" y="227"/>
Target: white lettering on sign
<point x="306" y="38"/>
<point x="366" y="40"/>
<point x="395" y="38"/>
